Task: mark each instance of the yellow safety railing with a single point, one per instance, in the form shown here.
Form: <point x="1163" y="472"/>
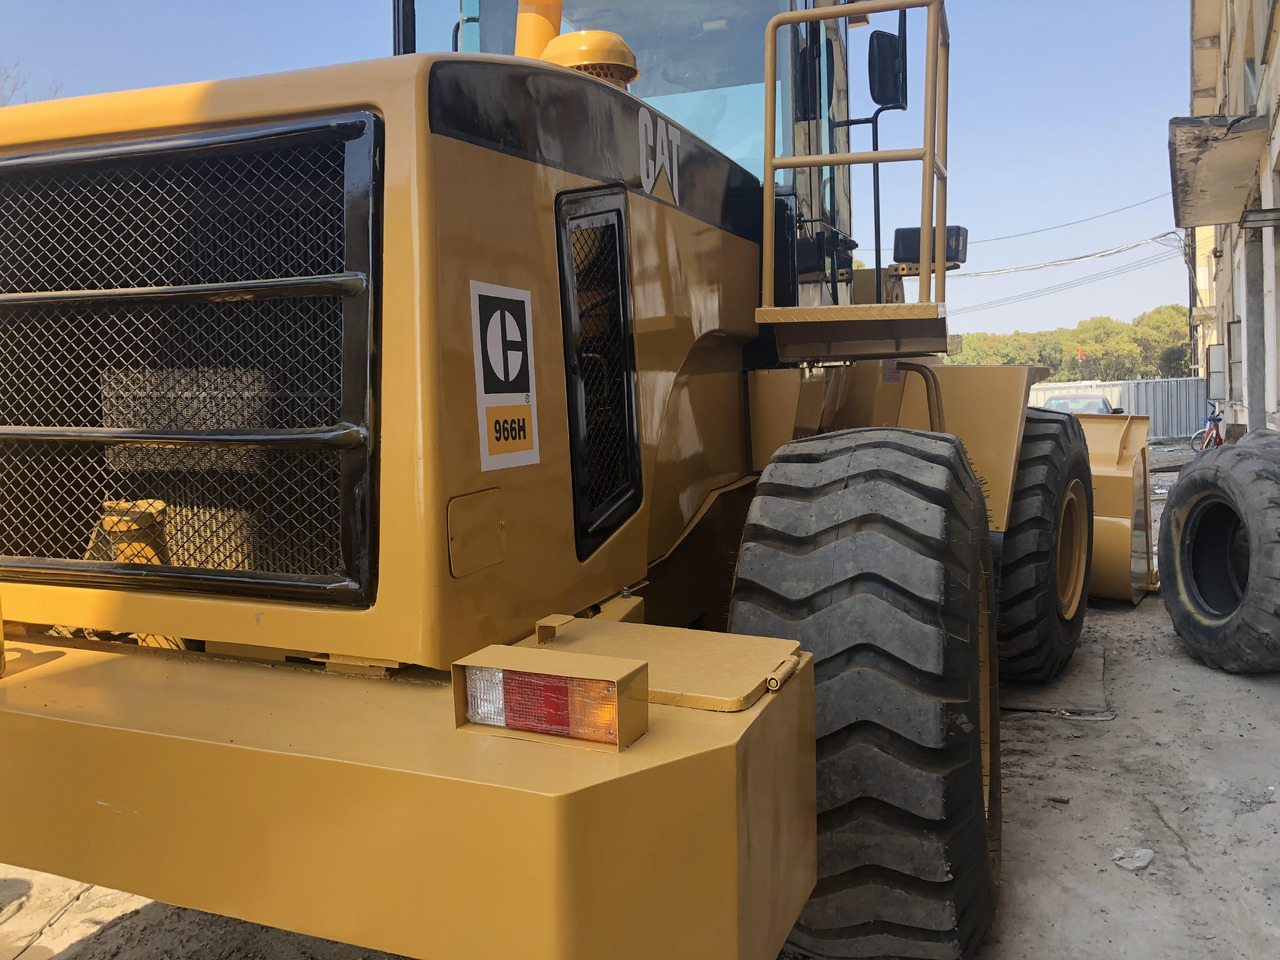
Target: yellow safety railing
<point x="933" y="154"/>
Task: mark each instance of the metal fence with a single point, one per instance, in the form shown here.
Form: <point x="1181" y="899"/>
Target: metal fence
<point x="1176" y="407"/>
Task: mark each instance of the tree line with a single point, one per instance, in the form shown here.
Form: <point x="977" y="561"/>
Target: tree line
<point x="1153" y="346"/>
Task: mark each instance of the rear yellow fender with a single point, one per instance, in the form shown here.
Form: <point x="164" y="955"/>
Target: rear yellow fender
<point x="1123" y="568"/>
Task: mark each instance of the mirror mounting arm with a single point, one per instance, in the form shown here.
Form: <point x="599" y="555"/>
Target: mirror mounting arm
<point x="874" y="122"/>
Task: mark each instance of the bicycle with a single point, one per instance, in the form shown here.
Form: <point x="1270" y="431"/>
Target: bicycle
<point x="1209" y="436"/>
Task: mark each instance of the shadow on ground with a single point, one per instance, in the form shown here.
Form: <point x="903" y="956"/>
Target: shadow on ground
<point x="158" y="931"/>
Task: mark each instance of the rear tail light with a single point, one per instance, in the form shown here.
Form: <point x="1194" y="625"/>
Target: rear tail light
<point x="539" y="691"/>
<point x="541" y="703"/>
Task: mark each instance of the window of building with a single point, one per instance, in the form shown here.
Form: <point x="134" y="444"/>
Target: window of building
<point x="1216" y="361"/>
<point x="1235" y="362"/>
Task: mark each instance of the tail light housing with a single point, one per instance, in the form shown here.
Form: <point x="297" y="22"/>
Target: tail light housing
<point x="534" y="693"/>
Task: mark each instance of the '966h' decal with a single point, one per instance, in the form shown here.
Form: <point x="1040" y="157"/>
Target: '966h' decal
<point x="506" y="388"/>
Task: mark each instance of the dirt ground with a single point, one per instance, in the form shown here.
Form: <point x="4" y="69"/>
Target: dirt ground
<point x="1189" y="767"/>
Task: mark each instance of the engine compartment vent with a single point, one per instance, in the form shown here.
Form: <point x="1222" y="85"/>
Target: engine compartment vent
<point x="595" y="292"/>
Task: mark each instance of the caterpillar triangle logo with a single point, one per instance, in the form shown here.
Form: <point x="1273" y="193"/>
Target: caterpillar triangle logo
<point x="659" y="157"/>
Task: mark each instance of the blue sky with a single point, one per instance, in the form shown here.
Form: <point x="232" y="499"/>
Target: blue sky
<point x="1059" y="112"/>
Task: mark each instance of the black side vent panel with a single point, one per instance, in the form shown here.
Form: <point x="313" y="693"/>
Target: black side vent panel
<point x="600" y="364"/>
<point x="185" y="363"/>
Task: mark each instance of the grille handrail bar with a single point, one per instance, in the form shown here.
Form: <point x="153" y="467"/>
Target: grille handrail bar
<point x="128" y="576"/>
<point x="340" y="436"/>
<point x="348" y="284"/>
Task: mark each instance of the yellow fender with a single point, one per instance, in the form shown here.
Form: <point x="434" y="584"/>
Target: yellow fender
<point x="986" y="408"/>
<point x="1123" y="566"/>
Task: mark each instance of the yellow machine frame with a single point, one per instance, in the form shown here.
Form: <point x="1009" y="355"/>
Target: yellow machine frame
<point x="353" y="809"/>
<point x="277" y="780"/>
<point x="215" y="781"/>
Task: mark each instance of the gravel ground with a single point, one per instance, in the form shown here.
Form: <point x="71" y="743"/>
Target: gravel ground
<point x="1188" y="768"/>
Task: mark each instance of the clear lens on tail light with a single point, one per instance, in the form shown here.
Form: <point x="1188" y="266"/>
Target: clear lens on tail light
<point x="484" y="696"/>
<point x="585" y="697"/>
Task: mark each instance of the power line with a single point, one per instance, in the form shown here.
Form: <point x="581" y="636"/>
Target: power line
<point x="1060" y="226"/>
<point x="1165" y="239"/>
<point x="1166" y="257"/>
<point x="1071" y="284"/>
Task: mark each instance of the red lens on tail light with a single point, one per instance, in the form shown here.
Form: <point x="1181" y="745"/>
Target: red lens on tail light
<point x="536" y="702"/>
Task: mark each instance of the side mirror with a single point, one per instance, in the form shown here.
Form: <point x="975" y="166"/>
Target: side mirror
<point x="887" y="69"/>
<point x="1117" y="409"/>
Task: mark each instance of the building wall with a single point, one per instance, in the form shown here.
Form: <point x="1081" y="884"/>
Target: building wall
<point x="1233" y="47"/>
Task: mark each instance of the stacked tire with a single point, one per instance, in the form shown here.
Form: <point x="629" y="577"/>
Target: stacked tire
<point x="1220" y="555"/>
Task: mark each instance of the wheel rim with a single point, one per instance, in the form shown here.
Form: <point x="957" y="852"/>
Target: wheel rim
<point x="1216" y="551"/>
<point x="1073" y="542"/>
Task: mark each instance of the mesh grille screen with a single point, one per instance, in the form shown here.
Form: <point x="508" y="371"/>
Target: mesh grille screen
<point x="266" y="364"/>
<point x="225" y="209"/>
<point x="258" y="510"/>
<point x="602" y="361"/>
<point x="162" y="221"/>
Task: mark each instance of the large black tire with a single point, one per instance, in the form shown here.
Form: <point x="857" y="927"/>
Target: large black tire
<point x="1260" y="436"/>
<point x="870" y="547"/>
<point x="1047" y="556"/>
<point x="1220" y="556"/>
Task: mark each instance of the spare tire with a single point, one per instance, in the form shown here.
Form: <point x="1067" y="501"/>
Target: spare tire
<point x="1047" y="556"/>
<point x="1220" y="557"/>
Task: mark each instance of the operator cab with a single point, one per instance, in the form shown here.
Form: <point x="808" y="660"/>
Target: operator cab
<point x="701" y="64"/>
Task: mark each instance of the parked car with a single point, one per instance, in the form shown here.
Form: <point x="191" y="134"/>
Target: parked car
<point x="1081" y="403"/>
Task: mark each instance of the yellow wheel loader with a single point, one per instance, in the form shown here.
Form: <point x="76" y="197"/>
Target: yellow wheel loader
<point x="457" y="505"/>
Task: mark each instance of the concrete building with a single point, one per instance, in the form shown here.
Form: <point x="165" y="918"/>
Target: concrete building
<point x="1225" y="169"/>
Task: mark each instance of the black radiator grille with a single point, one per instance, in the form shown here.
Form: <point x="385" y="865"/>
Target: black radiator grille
<point x="601" y="366"/>
<point x="185" y="344"/>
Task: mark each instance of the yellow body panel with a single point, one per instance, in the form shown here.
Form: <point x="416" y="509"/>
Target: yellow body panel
<point x="260" y="792"/>
<point x="453" y="212"/>
<point x="1123" y="566"/>
<point x="398" y="626"/>
<point x="705" y="670"/>
<point x="692" y="320"/>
